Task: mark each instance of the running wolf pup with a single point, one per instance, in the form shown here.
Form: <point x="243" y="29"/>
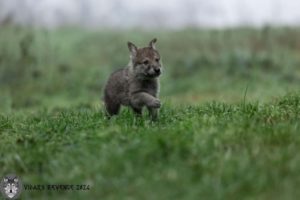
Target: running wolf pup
<point x="136" y="85"/>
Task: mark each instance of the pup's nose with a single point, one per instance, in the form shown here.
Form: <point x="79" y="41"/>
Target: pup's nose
<point x="157" y="71"/>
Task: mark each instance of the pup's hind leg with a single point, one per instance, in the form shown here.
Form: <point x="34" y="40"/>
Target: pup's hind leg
<point x="112" y="107"/>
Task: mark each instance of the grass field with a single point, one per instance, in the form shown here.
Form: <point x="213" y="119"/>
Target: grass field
<point x="229" y="125"/>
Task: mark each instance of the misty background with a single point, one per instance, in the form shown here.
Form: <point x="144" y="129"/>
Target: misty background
<point x="148" y="14"/>
<point x="64" y="50"/>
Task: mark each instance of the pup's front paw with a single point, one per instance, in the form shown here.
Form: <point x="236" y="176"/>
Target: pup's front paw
<point x="155" y="103"/>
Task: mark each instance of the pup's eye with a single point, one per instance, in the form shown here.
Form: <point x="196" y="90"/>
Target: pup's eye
<point x="157" y="59"/>
<point x="146" y="62"/>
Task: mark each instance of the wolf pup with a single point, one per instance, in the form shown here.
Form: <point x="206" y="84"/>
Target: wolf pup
<point x="136" y="85"/>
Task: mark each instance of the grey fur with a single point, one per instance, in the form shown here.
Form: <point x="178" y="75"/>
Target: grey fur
<point x="136" y="85"/>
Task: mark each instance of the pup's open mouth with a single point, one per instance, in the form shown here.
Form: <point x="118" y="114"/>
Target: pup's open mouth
<point x="152" y="75"/>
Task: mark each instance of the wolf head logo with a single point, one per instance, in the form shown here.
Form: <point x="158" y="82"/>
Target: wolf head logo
<point x="11" y="186"/>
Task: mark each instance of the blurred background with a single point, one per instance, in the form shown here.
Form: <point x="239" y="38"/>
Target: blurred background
<point x="57" y="53"/>
<point x="150" y="14"/>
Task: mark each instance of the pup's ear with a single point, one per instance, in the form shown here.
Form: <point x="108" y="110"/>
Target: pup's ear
<point x="152" y="43"/>
<point x="132" y="48"/>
